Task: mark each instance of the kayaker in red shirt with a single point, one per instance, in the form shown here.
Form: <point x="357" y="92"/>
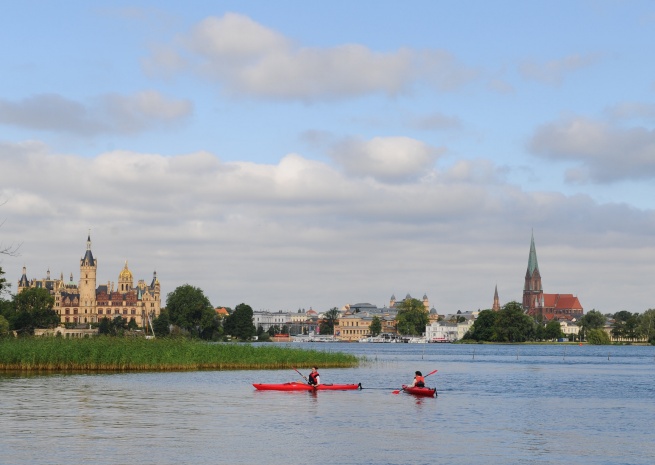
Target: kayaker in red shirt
<point x="314" y="377"/>
<point x="419" y="380"/>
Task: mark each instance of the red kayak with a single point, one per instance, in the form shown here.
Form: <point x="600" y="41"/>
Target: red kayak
<point x="420" y="391"/>
<point x="296" y="386"/>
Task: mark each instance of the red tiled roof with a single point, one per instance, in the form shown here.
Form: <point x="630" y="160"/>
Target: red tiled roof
<point x="561" y="302"/>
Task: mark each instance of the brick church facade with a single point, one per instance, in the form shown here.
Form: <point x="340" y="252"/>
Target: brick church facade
<point x="548" y="307"/>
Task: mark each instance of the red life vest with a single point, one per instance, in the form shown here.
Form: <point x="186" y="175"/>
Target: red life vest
<point x="312" y="378"/>
<point x="420" y="381"/>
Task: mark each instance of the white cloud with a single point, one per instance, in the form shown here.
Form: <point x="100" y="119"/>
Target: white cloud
<point x="301" y="233"/>
<point x="386" y="158"/>
<point x="106" y="114"/>
<point x="604" y="153"/>
<point x="247" y="58"/>
<point x="632" y="110"/>
<point x="437" y="121"/>
<point x="553" y="72"/>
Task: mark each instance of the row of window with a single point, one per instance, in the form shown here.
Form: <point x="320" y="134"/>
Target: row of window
<point x="75" y="320"/>
<point x="354" y="331"/>
<point x="101" y="311"/>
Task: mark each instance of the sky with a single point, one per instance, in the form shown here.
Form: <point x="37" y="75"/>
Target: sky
<point x="294" y="156"/>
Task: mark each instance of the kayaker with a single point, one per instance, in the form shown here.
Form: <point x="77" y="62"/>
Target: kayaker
<point x="314" y="377"/>
<point x="419" y="380"/>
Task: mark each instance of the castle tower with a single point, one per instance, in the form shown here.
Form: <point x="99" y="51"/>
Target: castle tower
<point x="125" y="280"/>
<point x="23" y="282"/>
<point x="426" y="303"/>
<point x="87" y="286"/>
<point x="533" y="293"/>
<point x="496" y="305"/>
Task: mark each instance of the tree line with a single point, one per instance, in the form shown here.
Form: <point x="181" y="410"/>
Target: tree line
<point x="188" y="312"/>
<point x="512" y="324"/>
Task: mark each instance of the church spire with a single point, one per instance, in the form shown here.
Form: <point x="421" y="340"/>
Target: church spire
<point x="496" y="305"/>
<point x="533" y="294"/>
<point x="532" y="260"/>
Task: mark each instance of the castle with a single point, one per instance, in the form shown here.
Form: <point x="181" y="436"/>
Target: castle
<point x="85" y="302"/>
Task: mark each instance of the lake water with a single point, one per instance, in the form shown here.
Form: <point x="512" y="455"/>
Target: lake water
<point x="497" y="404"/>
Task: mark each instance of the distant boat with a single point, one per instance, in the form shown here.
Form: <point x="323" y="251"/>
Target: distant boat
<point x="383" y="338"/>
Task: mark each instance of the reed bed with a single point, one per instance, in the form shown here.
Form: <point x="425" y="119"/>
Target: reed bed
<point x="117" y="354"/>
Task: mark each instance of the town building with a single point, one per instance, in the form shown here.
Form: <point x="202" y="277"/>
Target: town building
<point x="393" y="303"/>
<point x="268" y="319"/>
<point x="87" y="302"/>
<point x="356" y="320"/>
<point x="548" y="307"/>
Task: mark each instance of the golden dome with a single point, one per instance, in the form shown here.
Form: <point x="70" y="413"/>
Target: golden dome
<point x="126" y="274"/>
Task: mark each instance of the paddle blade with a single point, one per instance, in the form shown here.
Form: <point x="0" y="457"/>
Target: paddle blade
<point x="431" y="373"/>
<point x="395" y="392"/>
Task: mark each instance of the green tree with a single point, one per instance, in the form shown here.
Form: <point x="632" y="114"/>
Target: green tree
<point x="189" y="309"/>
<point x="625" y="325"/>
<point x="329" y="320"/>
<point x="162" y="324"/>
<point x="273" y="330"/>
<point x="33" y="308"/>
<point x="593" y="319"/>
<point x="239" y="324"/>
<point x="3" y="281"/>
<point x="6" y="308"/>
<point x="104" y="326"/>
<point x="119" y="325"/>
<point x="211" y="328"/>
<point x="513" y="325"/>
<point x="4" y="327"/>
<point x="412" y="317"/>
<point x="598" y="337"/>
<point x="553" y="330"/>
<point x="647" y="325"/>
<point x="131" y="325"/>
<point x="376" y="326"/>
<point x="483" y="328"/>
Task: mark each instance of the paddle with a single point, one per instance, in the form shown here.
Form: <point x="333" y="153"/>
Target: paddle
<point x="431" y="373"/>
<point x="301" y="375"/>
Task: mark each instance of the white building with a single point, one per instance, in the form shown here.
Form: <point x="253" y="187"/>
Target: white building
<point x="268" y="319"/>
<point x="569" y="328"/>
<point x="443" y="331"/>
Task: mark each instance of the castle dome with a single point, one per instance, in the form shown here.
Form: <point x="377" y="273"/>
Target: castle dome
<point x="126" y="274"/>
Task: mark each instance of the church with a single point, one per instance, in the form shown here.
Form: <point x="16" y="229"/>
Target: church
<point x="546" y="306"/>
<point x="87" y="302"/>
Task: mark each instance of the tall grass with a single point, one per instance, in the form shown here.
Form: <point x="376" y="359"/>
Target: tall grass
<point x="117" y="354"/>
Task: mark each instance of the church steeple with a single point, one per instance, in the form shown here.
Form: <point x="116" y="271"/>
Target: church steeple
<point x="532" y="259"/>
<point x="496" y="305"/>
<point x="533" y="294"/>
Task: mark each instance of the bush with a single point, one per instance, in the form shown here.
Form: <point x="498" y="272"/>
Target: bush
<point x="598" y="337"/>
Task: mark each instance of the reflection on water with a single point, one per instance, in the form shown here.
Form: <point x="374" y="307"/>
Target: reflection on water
<point x="496" y="405"/>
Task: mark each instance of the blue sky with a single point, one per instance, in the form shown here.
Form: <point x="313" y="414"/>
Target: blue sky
<point x="292" y="156"/>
